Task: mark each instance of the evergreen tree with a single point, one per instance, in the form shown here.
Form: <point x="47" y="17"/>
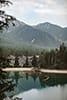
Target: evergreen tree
<point x="5" y="85"/>
<point x="34" y="61"/>
<point x="16" y="62"/>
<point x="5" y="19"/>
<point x="42" y="60"/>
<point x="26" y="63"/>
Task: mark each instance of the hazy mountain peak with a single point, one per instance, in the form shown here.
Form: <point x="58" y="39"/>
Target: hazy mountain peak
<point x="48" y="24"/>
<point x="44" y="34"/>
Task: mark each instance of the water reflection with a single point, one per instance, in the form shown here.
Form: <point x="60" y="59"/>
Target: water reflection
<point x="33" y="87"/>
<point x="54" y="79"/>
<point x="49" y="93"/>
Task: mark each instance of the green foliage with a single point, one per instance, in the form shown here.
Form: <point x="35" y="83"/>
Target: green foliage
<point x="54" y="59"/>
<point x="34" y="61"/>
<point x="16" y="62"/>
<point x="26" y="63"/>
<point x="5" y="85"/>
<point x="42" y="60"/>
<point x="4" y="18"/>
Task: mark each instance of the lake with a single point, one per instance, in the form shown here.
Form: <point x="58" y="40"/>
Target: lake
<point x="38" y="86"/>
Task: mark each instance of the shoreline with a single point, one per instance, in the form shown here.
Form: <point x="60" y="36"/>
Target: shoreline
<point x="30" y="69"/>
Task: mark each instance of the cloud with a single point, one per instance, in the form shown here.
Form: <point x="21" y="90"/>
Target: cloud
<point x="57" y="7"/>
<point x="36" y="11"/>
<point x="43" y="11"/>
<point x="51" y="11"/>
<point x="40" y="6"/>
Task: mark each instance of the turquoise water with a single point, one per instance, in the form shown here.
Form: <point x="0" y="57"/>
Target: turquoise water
<point x="30" y="86"/>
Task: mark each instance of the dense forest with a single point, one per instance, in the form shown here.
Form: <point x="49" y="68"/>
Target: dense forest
<point x="52" y="59"/>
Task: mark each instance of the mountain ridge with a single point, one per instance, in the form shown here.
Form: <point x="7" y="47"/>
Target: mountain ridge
<point x="23" y="34"/>
<point x="53" y="29"/>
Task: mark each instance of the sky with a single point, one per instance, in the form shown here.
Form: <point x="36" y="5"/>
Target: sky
<point x="33" y="12"/>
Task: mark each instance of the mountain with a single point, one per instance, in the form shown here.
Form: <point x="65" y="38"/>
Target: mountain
<point x="56" y="31"/>
<point x="64" y="35"/>
<point x="25" y="35"/>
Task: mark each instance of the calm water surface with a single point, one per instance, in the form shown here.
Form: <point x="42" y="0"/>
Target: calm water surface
<point x="30" y="86"/>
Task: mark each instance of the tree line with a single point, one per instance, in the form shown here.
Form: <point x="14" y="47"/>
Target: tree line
<point x="53" y="59"/>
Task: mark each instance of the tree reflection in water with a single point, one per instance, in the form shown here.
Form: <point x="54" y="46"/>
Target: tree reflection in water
<point x="5" y="84"/>
<point x="23" y="81"/>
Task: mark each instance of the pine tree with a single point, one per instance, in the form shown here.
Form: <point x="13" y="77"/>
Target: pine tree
<point x="34" y="61"/>
<point x="5" y="19"/>
<point x="16" y="62"/>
